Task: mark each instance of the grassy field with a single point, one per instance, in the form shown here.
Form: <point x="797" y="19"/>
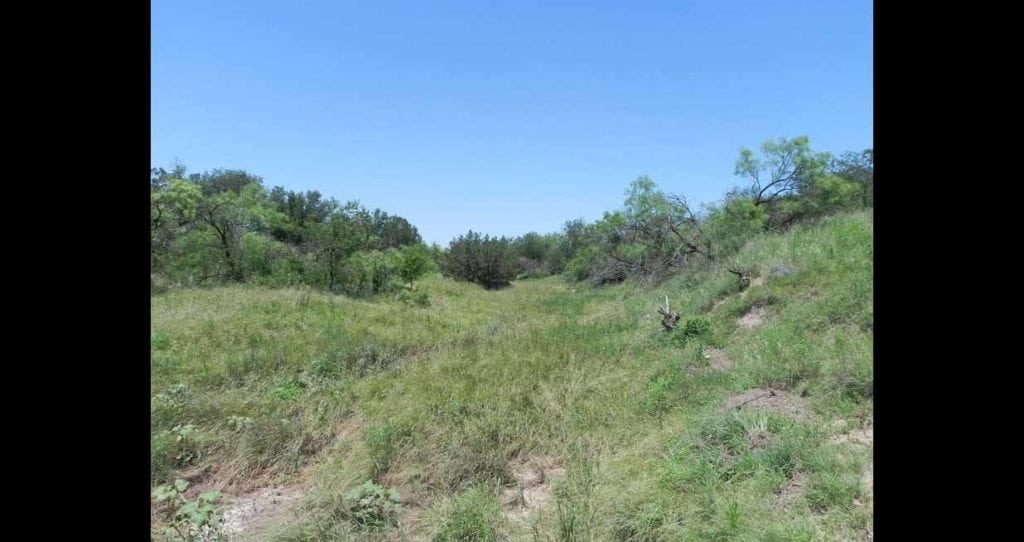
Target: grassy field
<point x="543" y="411"/>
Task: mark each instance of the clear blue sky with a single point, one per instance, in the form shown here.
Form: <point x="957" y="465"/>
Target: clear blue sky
<point x="504" y="117"/>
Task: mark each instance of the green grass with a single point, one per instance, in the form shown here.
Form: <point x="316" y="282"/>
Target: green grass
<point x="447" y="395"/>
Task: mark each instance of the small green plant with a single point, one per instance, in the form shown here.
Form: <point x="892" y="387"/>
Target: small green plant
<point x="198" y="520"/>
<point x="160" y="341"/>
<point x="373" y="505"/>
<point x="182" y="435"/>
<point x="696" y="327"/>
<point x="288" y="389"/>
<point x="325" y="366"/>
<point x="659" y="397"/>
<point x="177" y="447"/>
<point x="239" y="423"/>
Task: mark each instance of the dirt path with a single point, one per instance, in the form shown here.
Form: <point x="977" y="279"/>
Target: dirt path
<point x="251" y="514"/>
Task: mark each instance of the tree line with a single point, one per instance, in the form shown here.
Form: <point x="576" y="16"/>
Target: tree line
<point x="656" y="234"/>
<point x="224" y="226"/>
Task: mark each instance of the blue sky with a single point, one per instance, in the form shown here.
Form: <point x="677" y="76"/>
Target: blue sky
<point x="503" y="117"/>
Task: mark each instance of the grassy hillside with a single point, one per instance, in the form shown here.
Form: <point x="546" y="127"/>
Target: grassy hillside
<point x="543" y="411"/>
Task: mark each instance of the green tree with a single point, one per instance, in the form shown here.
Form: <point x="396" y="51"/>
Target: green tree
<point x="858" y="167"/>
<point x="393" y="231"/>
<point x="414" y="262"/>
<point x="785" y="167"/>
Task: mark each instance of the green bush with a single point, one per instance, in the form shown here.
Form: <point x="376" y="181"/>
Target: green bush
<point x="288" y="389"/>
<point x="582" y="264"/>
<point x="372" y="505"/>
<point x="487" y="261"/>
<point x="414" y="261"/>
<point x="696" y="327"/>
<point x="189" y="521"/>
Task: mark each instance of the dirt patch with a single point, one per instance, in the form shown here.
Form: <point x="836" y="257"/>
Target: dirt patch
<point x="859" y="437"/>
<point x="710" y="306"/>
<point x="250" y="510"/>
<point x="770" y="400"/>
<point x="760" y="440"/>
<point x="533" y="487"/>
<point x="754" y="318"/>
<point x="791" y="491"/>
<point x="720" y="362"/>
<point x="248" y="514"/>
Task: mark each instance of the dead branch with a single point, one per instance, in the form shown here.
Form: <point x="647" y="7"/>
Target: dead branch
<point x="744" y="277"/>
<point x="669" y="319"/>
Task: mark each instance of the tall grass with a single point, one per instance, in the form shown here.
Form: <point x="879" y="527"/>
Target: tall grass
<point x="449" y="395"/>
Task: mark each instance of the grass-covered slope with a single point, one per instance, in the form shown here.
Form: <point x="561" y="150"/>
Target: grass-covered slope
<point x="543" y="411"/>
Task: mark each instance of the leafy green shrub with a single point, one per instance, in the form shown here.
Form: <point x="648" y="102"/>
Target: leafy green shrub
<point x="288" y="389"/>
<point x="327" y="366"/>
<point x="487" y="261"/>
<point x="373" y="505"/>
<point x="696" y="327"/>
<point x="661" y="393"/>
<point x="369" y="273"/>
<point x="582" y="264"/>
<point x="189" y="521"/>
<point x="173" y="449"/>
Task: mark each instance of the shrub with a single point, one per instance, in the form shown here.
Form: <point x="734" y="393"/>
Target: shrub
<point x="288" y="389"/>
<point x="582" y="264"/>
<point x="487" y="261"/>
<point x="189" y="521"/>
<point x="370" y="273"/>
<point x="373" y="505"/>
<point x="696" y="327"/>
